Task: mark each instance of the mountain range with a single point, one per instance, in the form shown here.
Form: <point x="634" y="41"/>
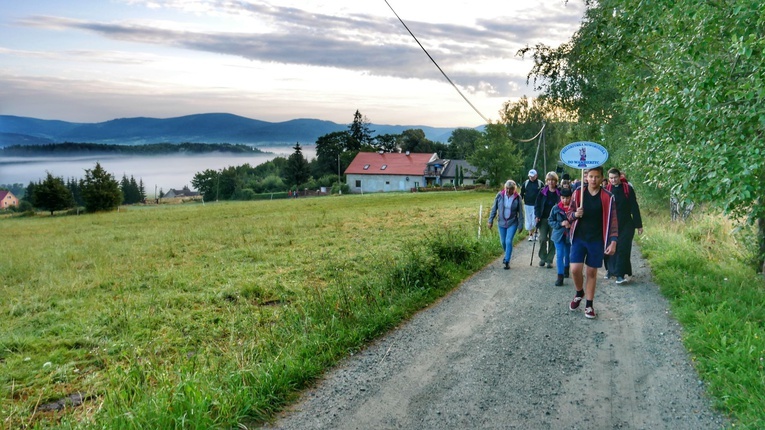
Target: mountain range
<point x="199" y="128"/>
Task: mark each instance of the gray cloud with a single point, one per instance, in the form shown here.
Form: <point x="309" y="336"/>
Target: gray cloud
<point x="366" y="43"/>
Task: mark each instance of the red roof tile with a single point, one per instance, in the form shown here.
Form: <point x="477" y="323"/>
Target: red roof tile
<point x="3" y="193"/>
<point x="396" y="164"/>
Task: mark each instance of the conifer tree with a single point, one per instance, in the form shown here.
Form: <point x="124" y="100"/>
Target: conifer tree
<point x="100" y="191"/>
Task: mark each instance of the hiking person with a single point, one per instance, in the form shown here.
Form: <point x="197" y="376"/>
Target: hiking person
<point x="529" y="191"/>
<point x="547" y="198"/>
<point x="629" y="219"/>
<point x="594" y="231"/>
<point x="560" y="235"/>
<point x="508" y="209"/>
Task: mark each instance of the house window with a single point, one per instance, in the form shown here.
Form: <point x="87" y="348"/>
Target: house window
<point x="366" y="167"/>
<point x="387" y="182"/>
<point x="384" y="166"/>
<point x="358" y="183"/>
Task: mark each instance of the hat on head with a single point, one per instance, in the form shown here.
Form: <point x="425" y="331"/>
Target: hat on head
<point x="565" y="192"/>
<point x="532" y="172"/>
<point x="566" y="177"/>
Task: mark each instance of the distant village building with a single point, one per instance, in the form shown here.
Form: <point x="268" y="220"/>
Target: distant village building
<point x="374" y="172"/>
<point x="184" y="192"/>
<point x="7" y="199"/>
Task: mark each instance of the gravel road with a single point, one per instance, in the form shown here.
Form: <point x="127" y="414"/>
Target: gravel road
<point x="503" y="351"/>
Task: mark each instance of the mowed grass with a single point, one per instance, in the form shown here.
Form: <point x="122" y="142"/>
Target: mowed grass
<point x="214" y="316"/>
<point x="701" y="267"/>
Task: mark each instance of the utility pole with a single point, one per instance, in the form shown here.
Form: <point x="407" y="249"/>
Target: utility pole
<point x="217" y="186"/>
<point x="339" y="185"/>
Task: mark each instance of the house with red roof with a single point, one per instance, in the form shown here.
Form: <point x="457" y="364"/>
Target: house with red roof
<point x="7" y="199"/>
<point x="374" y="172"/>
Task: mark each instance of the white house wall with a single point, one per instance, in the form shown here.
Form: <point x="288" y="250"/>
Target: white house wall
<point x="383" y="183"/>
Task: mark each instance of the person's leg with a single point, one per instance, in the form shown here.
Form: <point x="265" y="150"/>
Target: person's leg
<point x="547" y="241"/>
<point x="578" y="253"/>
<point x="560" y="252"/>
<point x="543" y="238"/>
<point x="566" y="258"/>
<point x="530" y="220"/>
<point x="623" y="251"/>
<point x="509" y="235"/>
<point x="592" y="278"/>
<point x="502" y="234"/>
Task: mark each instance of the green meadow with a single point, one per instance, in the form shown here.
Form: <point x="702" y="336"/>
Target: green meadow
<point x="215" y="315"/>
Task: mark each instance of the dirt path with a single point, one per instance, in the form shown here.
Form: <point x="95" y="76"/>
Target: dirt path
<point x="503" y="351"/>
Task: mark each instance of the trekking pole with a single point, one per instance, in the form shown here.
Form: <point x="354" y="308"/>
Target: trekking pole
<point x="533" y="246"/>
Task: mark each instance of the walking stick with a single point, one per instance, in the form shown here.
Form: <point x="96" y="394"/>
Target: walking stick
<point x="534" y="245"/>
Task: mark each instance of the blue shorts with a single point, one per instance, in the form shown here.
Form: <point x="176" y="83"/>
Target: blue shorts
<point x="590" y="253"/>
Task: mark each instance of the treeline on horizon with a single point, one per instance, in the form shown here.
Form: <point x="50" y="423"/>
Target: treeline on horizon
<point x="496" y="153"/>
<point x="144" y="149"/>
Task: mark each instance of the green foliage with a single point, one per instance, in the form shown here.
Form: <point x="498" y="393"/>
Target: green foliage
<point x="132" y="191"/>
<point x="359" y="133"/>
<point x="497" y="156"/>
<point x="462" y="143"/>
<point x="677" y="86"/>
<point x="100" y="191"/>
<point x="296" y="172"/>
<point x="52" y="195"/>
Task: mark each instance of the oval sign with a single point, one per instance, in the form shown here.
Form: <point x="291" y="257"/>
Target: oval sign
<point x="583" y="155"/>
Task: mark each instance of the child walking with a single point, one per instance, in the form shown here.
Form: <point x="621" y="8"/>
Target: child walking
<point x="560" y="235"/>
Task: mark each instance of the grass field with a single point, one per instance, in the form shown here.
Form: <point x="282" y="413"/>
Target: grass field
<point x="719" y="299"/>
<point x="213" y="316"/>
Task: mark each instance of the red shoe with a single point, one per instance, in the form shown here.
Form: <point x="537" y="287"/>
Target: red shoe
<point x="589" y="313"/>
<point x="575" y="303"/>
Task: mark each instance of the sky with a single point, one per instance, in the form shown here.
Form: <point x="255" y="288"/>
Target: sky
<point x="272" y="60"/>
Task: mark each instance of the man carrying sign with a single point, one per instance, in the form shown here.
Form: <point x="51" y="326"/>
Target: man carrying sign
<point x="594" y="230"/>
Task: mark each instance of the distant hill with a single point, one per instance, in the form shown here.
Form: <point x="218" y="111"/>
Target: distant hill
<point x="202" y="128"/>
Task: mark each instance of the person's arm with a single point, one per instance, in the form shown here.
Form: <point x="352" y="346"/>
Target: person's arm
<point x="493" y="211"/>
<point x="636" y="218"/>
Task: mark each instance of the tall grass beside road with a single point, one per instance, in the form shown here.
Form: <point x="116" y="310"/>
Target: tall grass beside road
<point x="213" y="316"/>
<point x="718" y="298"/>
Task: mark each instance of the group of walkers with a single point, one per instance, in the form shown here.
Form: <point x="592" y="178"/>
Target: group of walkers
<point x="581" y="226"/>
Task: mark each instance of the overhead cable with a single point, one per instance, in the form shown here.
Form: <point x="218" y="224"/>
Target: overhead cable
<point x="436" y="64"/>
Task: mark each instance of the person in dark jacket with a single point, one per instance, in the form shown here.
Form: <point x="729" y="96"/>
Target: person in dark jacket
<point x="529" y="191"/>
<point x="508" y="210"/>
<point x="628" y="216"/>
<point x="546" y="200"/>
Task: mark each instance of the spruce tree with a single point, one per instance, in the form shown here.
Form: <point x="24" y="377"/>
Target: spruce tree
<point x="52" y="195"/>
<point x="100" y="191"/>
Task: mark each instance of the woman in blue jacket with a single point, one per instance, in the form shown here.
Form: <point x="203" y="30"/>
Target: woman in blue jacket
<point x="508" y="209"/>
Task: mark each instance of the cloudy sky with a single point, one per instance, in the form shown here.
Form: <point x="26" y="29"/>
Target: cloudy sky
<point x="273" y="60"/>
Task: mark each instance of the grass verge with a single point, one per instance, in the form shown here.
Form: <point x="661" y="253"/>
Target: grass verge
<point x="720" y="302"/>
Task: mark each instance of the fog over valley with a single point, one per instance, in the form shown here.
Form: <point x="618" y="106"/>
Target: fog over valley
<point x="163" y="172"/>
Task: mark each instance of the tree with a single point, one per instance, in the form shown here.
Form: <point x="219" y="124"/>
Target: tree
<point x="462" y="143"/>
<point x="496" y="156"/>
<point x="205" y="182"/>
<point x="386" y="142"/>
<point x="100" y="191"/>
<point x="360" y="134"/>
<point x="328" y="149"/>
<point x="296" y="171"/>
<point x="52" y="195"/>
<point x="677" y="86"/>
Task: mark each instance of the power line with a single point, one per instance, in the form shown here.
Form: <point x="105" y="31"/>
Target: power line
<point x="436" y="64"/>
